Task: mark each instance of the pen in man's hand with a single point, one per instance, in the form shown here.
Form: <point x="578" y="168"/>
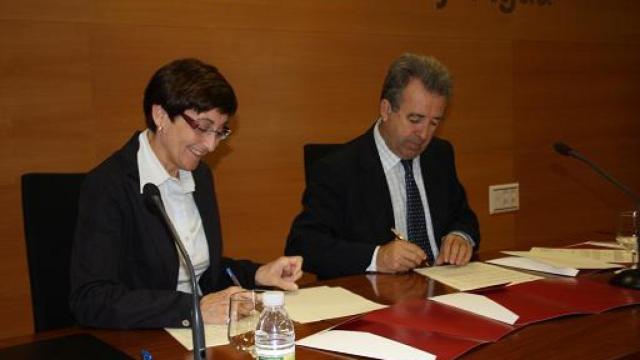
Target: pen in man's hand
<point x="233" y="277"/>
<point x="397" y="234"/>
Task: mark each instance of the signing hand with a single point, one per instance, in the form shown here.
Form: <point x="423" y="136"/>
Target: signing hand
<point x="455" y="250"/>
<point x="282" y="272"/>
<point x="399" y="256"/>
<point x="215" y="306"/>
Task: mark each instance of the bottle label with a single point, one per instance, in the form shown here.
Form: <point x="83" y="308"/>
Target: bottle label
<point x="286" y="354"/>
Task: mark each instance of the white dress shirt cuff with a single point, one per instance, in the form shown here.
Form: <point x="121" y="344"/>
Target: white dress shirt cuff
<point x="372" y="266"/>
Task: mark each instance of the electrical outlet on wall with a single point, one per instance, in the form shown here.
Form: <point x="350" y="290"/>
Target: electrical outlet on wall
<point x="504" y="198"/>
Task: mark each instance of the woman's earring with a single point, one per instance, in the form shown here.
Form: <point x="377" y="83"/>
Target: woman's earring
<point x="160" y="128"/>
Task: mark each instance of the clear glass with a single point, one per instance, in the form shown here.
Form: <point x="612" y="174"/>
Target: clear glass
<point x="244" y="312"/>
<point x="628" y="233"/>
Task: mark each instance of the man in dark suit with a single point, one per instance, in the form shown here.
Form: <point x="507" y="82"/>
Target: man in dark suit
<point x="395" y="182"/>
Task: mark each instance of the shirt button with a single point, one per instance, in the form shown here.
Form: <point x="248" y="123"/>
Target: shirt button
<point x="185" y="323"/>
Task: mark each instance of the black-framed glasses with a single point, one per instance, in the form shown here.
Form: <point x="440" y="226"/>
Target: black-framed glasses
<point x="220" y="134"/>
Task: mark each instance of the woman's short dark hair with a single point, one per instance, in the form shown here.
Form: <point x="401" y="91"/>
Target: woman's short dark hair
<point x="188" y="84"/>
<point x="432" y="74"/>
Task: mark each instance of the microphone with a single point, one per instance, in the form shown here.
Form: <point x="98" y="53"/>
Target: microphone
<point x="564" y="149"/>
<point x="629" y="278"/>
<point x="153" y="201"/>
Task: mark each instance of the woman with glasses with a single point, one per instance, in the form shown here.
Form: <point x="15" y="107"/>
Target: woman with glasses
<point x="125" y="269"/>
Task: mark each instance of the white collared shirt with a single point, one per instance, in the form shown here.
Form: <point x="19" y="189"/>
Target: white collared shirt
<point x="177" y="196"/>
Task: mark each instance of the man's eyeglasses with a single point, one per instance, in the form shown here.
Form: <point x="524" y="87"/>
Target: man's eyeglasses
<point x="220" y="134"/>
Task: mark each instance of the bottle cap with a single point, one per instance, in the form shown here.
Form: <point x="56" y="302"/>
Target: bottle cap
<point x="273" y="298"/>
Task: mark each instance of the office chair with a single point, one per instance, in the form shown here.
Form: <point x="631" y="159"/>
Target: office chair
<point x="50" y="209"/>
<point x="313" y="153"/>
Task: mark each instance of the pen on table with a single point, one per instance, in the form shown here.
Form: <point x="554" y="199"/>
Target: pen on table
<point x="146" y="355"/>
<point x="233" y="277"/>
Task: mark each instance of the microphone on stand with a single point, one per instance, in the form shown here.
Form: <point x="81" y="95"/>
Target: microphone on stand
<point x="566" y="150"/>
<point x="153" y="200"/>
<point x="629" y="278"/>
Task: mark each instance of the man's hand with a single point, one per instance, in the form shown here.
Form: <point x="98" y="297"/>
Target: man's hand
<point x="455" y="250"/>
<point x="399" y="256"/>
<point x="215" y="306"/>
<point x="282" y="272"/>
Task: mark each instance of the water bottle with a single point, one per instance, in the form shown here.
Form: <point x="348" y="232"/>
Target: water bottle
<point x="275" y="336"/>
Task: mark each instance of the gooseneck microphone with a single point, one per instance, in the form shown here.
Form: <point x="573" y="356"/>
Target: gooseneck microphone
<point x="629" y="278"/>
<point x="153" y="201"/>
<point x="564" y="149"/>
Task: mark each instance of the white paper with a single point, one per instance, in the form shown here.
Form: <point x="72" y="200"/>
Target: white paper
<point x="363" y="344"/>
<point x="609" y="256"/>
<point x="214" y="335"/>
<point x="475" y="275"/>
<point x="605" y="244"/>
<point x="478" y="304"/>
<point x="530" y="264"/>
<point x="324" y="302"/>
<point x="564" y="260"/>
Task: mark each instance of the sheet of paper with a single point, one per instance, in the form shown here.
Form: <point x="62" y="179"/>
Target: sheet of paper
<point x="615" y="256"/>
<point x="475" y="275"/>
<point x="530" y="264"/>
<point x="606" y="244"/>
<point x="324" y="302"/>
<point x="363" y="344"/>
<point x="214" y="335"/>
<point x="478" y="304"/>
<point x="564" y="260"/>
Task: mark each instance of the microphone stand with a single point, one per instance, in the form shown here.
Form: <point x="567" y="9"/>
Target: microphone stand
<point x="628" y="278"/>
<point x="197" y="325"/>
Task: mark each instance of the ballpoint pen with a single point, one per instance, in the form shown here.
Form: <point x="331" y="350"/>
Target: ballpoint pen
<point x="400" y="237"/>
<point x="397" y="234"/>
<point x="233" y="277"/>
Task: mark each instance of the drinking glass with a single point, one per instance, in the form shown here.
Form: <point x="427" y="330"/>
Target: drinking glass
<point x="244" y="312"/>
<point x="628" y="232"/>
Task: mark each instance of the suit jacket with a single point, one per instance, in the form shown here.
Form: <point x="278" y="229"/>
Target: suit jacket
<point x="347" y="209"/>
<point x="124" y="264"/>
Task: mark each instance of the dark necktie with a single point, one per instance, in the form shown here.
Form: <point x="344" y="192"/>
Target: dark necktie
<point x="416" y="223"/>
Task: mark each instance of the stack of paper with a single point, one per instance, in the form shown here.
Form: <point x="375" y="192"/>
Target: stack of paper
<point x="475" y="275"/>
<point x="565" y="259"/>
<point x="324" y="302"/>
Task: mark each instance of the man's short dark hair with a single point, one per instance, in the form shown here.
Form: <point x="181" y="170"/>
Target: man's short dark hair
<point x="188" y="84"/>
<point x="434" y="77"/>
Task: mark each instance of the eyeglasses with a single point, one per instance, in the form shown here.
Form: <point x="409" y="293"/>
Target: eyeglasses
<point x="220" y="134"/>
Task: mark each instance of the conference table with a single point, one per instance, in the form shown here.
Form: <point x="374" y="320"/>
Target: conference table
<point x="613" y="334"/>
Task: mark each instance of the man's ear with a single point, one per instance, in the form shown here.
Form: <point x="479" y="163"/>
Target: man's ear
<point x="385" y="109"/>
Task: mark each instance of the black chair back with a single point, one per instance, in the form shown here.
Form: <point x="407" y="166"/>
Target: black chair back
<point x="50" y="210"/>
<point x="313" y="153"/>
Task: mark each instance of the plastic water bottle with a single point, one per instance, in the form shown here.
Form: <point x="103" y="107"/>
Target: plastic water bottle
<point x="275" y="336"/>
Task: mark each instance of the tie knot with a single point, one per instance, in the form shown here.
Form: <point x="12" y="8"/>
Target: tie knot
<point x="408" y="165"/>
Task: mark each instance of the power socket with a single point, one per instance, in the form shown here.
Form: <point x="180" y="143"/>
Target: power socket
<point x="504" y="198"/>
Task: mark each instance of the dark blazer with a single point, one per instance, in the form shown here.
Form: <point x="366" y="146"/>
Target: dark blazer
<point x="347" y="207"/>
<point x="124" y="265"/>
